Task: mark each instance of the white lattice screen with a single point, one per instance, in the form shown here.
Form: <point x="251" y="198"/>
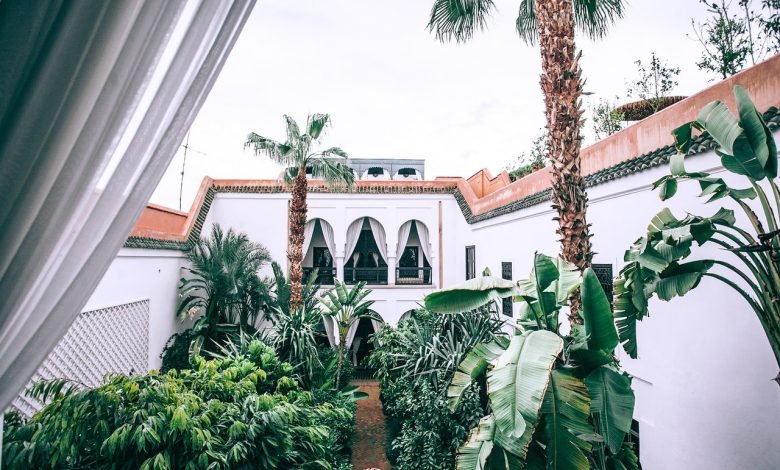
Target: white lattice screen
<point x="113" y="339"/>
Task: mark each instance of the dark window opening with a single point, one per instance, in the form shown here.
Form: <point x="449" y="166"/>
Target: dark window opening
<point x="407" y="171"/>
<point x="506" y="273"/>
<point x="376" y="171"/>
<point x="604" y="273"/>
<point x="470" y="262"/>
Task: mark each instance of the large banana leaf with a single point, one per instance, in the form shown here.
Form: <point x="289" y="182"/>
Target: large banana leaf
<point x="625" y="459"/>
<point x="474" y="453"/>
<point x="517" y="385"/>
<point x="760" y="137"/>
<point x="566" y="410"/>
<point x="469" y="295"/>
<point x="547" y="289"/>
<point x="474" y="364"/>
<point x="612" y="404"/>
<point x="678" y="279"/>
<point x="597" y="314"/>
<point x="626" y="314"/>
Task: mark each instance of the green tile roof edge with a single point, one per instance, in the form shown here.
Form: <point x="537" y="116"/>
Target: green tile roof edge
<point x="623" y="169"/>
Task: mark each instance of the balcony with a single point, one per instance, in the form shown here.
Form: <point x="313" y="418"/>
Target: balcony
<point x="325" y="276"/>
<point x="367" y="275"/>
<point x="413" y="276"/>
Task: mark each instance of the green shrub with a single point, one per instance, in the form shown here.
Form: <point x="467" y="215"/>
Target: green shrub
<point x="176" y="354"/>
<point x="241" y="410"/>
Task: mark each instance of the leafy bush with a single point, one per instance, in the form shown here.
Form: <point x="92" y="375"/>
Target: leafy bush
<point x="176" y="354"/>
<point x="241" y="410"/>
<point x="414" y="364"/>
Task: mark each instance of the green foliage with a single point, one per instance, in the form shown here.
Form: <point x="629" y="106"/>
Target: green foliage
<point x="414" y="365"/>
<point x="554" y="400"/>
<point x="654" y="82"/>
<point x="345" y="307"/>
<point x="223" y="291"/>
<point x="654" y="263"/>
<point x="606" y="119"/>
<point x="535" y="159"/>
<point x="279" y="295"/>
<point x="296" y="152"/>
<point x="239" y="411"/>
<point x="294" y="337"/>
<point x="176" y="354"/>
<point x="736" y="34"/>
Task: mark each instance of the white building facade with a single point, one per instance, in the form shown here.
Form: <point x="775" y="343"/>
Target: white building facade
<point x="702" y="380"/>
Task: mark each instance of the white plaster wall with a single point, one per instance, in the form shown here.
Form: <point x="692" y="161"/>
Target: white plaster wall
<point x="137" y="274"/>
<point x="704" y="395"/>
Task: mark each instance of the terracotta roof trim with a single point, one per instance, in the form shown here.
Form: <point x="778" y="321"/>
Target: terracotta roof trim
<point x="623" y="169"/>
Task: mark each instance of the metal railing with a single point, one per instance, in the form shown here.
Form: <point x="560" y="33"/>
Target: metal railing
<point x="325" y="276"/>
<point x="363" y="373"/>
<point x="413" y="276"/>
<point x="367" y="275"/>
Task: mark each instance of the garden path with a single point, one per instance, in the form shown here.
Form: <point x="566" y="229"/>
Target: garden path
<point x="368" y="444"/>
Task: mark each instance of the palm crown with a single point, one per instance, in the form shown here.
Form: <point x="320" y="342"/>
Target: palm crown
<point x="296" y="152"/>
<point x="459" y="19"/>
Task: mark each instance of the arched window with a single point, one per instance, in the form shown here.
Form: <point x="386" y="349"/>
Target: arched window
<point x="366" y="252"/>
<point x="319" y="251"/>
<point x="413" y="254"/>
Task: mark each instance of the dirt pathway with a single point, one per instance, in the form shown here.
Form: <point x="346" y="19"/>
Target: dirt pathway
<point x="368" y="445"/>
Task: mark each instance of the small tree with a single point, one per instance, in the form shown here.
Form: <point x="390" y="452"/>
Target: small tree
<point x="535" y="159"/>
<point x="736" y="34"/>
<point x="606" y="119"/>
<point x="655" y="81"/>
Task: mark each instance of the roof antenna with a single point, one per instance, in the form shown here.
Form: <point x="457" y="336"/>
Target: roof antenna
<point x="183" y="163"/>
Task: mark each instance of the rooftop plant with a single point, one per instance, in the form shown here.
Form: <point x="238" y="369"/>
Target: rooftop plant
<point x="750" y="264"/>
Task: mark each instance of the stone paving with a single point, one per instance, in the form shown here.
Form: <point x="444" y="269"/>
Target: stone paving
<point x="368" y="445"/>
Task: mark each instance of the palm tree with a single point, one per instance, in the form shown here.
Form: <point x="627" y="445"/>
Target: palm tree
<point x="223" y="290"/>
<point x="296" y="154"/>
<point x="552" y="22"/>
<point x="346" y="307"/>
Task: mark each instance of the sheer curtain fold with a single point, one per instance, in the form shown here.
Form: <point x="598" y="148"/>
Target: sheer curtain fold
<point x="351" y="334"/>
<point x="403" y="237"/>
<point x="353" y="233"/>
<point x="308" y="232"/>
<point x="85" y="140"/>
<point x="425" y="243"/>
<point x="379" y="237"/>
<point x="327" y="233"/>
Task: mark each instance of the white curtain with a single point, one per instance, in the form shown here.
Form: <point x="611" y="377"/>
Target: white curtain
<point x="97" y="98"/>
<point x="353" y="233"/>
<point x="377" y="325"/>
<point x="351" y="334"/>
<point x="379" y="237"/>
<point x="331" y="330"/>
<point x="308" y="232"/>
<point x="330" y="242"/>
<point x="425" y="244"/>
<point x="403" y="237"/>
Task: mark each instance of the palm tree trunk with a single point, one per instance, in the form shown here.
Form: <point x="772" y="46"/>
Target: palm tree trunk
<point x="562" y="88"/>
<point x="297" y="221"/>
<point x="342" y="340"/>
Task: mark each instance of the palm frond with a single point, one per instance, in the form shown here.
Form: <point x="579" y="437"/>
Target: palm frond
<point x="591" y="17"/>
<point x="331" y="171"/>
<point x="316" y="124"/>
<point x="459" y="19"/>
<point x="276" y="151"/>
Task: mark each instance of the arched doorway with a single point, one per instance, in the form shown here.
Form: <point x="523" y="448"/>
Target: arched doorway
<point x="366" y="250"/>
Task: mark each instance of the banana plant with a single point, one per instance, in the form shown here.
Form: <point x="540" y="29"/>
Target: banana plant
<point x="751" y="262"/>
<point x="346" y="307"/>
<point x="556" y="401"/>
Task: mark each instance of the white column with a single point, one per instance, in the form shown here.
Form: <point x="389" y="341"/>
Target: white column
<point x="340" y="266"/>
<point x="391" y="268"/>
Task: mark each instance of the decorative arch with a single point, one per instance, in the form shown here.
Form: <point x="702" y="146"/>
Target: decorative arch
<point x="366" y="248"/>
<point x="323" y="260"/>
<point x="414" y="260"/>
<point x="407" y="315"/>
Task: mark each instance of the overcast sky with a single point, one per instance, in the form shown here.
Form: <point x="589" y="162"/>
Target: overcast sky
<point x="393" y="91"/>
